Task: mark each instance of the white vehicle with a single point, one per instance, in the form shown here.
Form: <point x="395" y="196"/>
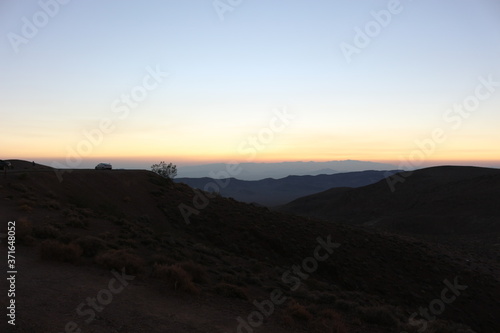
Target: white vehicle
<point x="5" y="165"/>
<point x="103" y="166"/>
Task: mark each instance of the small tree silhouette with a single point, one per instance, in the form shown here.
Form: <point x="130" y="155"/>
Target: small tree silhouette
<point x="165" y="170"/>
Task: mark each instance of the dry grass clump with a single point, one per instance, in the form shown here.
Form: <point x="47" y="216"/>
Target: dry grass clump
<point x="230" y="291"/>
<point x="26" y="205"/>
<point x="24" y="229"/>
<point x="127" y="242"/>
<point x="91" y="245"/>
<point x="298" y="311"/>
<point x="346" y="306"/>
<point x="332" y="322"/>
<point x="176" y="277"/>
<point x="330" y="314"/>
<point x="86" y="212"/>
<point x="160" y="258"/>
<point x="296" y="316"/>
<point x="204" y="249"/>
<point x="441" y="326"/>
<point x="118" y="259"/>
<point x="287" y="321"/>
<point x="327" y="298"/>
<point x="51" y="249"/>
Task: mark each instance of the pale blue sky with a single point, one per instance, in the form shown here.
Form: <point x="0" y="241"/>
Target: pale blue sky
<point x="227" y="76"/>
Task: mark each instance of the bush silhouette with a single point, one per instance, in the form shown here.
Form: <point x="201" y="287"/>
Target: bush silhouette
<point x="165" y="170"/>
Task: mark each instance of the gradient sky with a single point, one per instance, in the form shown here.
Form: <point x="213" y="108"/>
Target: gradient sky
<point x="228" y="77"/>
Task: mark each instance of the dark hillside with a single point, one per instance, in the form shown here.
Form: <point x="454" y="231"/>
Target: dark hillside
<point x="470" y="195"/>
<point x="460" y="205"/>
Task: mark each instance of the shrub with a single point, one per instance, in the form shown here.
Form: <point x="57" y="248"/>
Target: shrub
<point x="127" y="242"/>
<point x="175" y="277"/>
<point x="346" y="306"/>
<point x="67" y="238"/>
<point x="91" y="245"/>
<point x="23" y="176"/>
<point x="109" y="209"/>
<point x="107" y="236"/>
<point x="197" y="271"/>
<point x="165" y="170"/>
<point x="52" y="204"/>
<point x="149" y="241"/>
<point x="54" y="250"/>
<point x="118" y="259"/>
<point x="381" y="315"/>
<point x="46" y="231"/>
<point x="77" y="222"/>
<point x="144" y="219"/>
<point x="19" y="187"/>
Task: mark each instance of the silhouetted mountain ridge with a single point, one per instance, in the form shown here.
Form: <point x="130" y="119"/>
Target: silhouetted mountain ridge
<point x="258" y="171"/>
<point x="273" y="192"/>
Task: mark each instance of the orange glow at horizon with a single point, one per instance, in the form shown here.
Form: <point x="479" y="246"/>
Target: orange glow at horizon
<point x="289" y="147"/>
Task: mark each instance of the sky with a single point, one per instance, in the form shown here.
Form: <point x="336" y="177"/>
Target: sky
<point x="198" y="81"/>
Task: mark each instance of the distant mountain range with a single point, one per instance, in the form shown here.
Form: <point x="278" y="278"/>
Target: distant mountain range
<point x="273" y="192"/>
<point x="257" y="171"/>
